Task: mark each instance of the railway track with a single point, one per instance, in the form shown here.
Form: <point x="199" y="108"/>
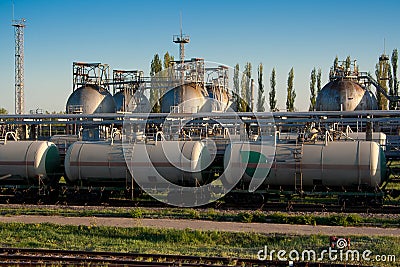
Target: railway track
<point x="43" y="257"/>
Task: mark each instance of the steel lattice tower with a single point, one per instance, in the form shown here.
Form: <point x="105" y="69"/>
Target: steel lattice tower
<point x="19" y="26"/>
<point x="181" y="39"/>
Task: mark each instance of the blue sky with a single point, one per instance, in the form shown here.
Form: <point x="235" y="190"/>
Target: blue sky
<point x="126" y="34"/>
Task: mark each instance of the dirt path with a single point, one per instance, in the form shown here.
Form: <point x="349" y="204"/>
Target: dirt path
<point x="265" y="228"/>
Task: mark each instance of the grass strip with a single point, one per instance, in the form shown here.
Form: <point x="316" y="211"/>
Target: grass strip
<point x="182" y="242"/>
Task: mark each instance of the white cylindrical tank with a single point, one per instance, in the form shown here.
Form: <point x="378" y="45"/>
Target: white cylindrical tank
<point x="96" y="163"/>
<point x="378" y="137"/>
<point x="338" y="164"/>
<point x="28" y="160"/>
<point x="100" y="162"/>
<point x="180" y="162"/>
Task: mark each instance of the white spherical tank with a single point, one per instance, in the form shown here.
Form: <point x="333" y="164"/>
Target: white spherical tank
<point x="119" y="99"/>
<point x="338" y="164"/>
<point x="90" y="99"/>
<point x="188" y="98"/>
<point x="29" y="160"/>
<point x="96" y="163"/>
<point x="345" y="95"/>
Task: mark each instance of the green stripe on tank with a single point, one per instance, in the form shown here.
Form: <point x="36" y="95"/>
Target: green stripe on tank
<point x="52" y="160"/>
<point x="383" y="164"/>
<point x="252" y="157"/>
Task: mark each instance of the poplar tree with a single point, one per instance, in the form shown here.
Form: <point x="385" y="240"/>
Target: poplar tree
<point x="245" y="87"/>
<point x="236" y="93"/>
<point x="347" y="63"/>
<point x="155" y="67"/>
<point x="336" y="63"/>
<point x="395" y="83"/>
<point x="167" y="60"/>
<point x="312" y="90"/>
<point x="261" y="96"/>
<point x="382" y="69"/>
<point x="291" y="94"/>
<point x="319" y="81"/>
<point x="272" y="93"/>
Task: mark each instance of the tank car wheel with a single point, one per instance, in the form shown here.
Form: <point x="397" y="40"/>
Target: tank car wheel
<point x="105" y="195"/>
<point x="18" y="197"/>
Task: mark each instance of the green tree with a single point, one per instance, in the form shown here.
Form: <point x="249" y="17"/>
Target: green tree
<point x="167" y="60"/>
<point x="261" y="96"/>
<point x="312" y="90"/>
<point x="155" y="67"/>
<point x="272" y="93"/>
<point x="245" y="87"/>
<point x="236" y="93"/>
<point x="3" y="111"/>
<point x="319" y="74"/>
<point x="382" y="71"/>
<point x="347" y="63"/>
<point x="395" y="83"/>
<point x="336" y="63"/>
<point x="291" y="94"/>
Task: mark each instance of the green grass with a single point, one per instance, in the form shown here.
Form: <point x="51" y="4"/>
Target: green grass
<point x="169" y="241"/>
<point x="212" y="214"/>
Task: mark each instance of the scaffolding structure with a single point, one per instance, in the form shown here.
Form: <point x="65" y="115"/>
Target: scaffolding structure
<point x="19" y="26"/>
<point x="127" y="82"/>
<point x="90" y="73"/>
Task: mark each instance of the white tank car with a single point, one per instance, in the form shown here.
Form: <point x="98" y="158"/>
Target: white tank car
<point x="28" y="160"/>
<point x="179" y="162"/>
<point x="102" y="163"/>
<point x="96" y="163"/>
<point x="338" y="164"/>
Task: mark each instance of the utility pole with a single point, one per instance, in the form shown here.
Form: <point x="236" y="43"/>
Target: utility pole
<point x="19" y="26"/>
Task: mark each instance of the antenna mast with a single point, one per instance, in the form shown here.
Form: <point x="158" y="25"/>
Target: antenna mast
<point x="19" y="26"/>
<point x="181" y="39"/>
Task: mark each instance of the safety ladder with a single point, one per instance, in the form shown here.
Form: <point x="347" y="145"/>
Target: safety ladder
<point x="298" y="173"/>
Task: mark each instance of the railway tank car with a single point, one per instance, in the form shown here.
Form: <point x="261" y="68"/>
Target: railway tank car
<point x="98" y="163"/>
<point x="336" y="165"/>
<point x="179" y="162"/>
<point x="25" y="162"/>
<point x="103" y="163"/>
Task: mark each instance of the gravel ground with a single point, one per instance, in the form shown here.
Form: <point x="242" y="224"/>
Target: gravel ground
<point x="265" y="228"/>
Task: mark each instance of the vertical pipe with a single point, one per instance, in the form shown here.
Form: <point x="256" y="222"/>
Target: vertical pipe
<point x="368" y="130"/>
<point x="252" y="95"/>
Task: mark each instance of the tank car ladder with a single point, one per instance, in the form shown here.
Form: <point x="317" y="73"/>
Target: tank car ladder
<point x="298" y="174"/>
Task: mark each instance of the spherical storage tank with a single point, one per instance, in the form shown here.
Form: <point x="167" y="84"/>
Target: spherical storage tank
<point x="191" y="100"/>
<point x="119" y="99"/>
<point x="336" y="165"/>
<point x="29" y="160"/>
<point x="90" y="99"/>
<point x="345" y="95"/>
<point x="138" y="103"/>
